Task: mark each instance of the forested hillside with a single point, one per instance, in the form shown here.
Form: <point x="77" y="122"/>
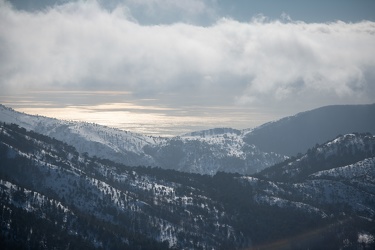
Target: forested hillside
<point x="53" y="196"/>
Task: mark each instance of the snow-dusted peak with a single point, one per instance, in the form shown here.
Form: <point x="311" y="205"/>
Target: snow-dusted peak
<point x="349" y="142"/>
<point x="348" y="139"/>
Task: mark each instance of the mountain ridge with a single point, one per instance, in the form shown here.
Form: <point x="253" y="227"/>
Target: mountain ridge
<point x="295" y="134"/>
<point x="224" y="151"/>
<point x="206" y="152"/>
<point x="342" y="151"/>
<point x="106" y="205"/>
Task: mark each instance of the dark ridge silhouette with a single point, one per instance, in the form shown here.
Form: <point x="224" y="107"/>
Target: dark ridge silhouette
<point x="296" y="134"/>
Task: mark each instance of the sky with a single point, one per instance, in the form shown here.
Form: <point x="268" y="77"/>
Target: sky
<point x="167" y="67"/>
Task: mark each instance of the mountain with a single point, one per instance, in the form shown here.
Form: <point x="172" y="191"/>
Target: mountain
<point x="295" y="134"/>
<point x="209" y="151"/>
<point x="98" y="203"/>
<point x="52" y="196"/>
<point x="204" y="152"/>
<point x="338" y="174"/>
<point x="100" y="141"/>
<point x="344" y="150"/>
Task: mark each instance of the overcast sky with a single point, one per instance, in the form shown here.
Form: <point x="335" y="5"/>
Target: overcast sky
<point x="168" y="67"/>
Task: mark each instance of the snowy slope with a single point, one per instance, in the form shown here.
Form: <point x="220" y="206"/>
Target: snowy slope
<point x="100" y="141"/>
<point x="344" y="150"/>
<point x="340" y="172"/>
<point x="204" y="152"/>
<point x="364" y="168"/>
<point x="210" y="151"/>
<point x="46" y="180"/>
<point x="115" y="195"/>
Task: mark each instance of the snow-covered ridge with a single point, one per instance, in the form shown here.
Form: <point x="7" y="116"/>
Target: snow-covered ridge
<point x="97" y="140"/>
<point x="346" y="151"/>
<point x="204" y="152"/>
<point x="229" y="140"/>
<point x="348" y="142"/>
<point x="91" y="131"/>
<point x="364" y="168"/>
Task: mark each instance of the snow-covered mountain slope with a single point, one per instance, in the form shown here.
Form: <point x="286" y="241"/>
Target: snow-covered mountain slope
<point x="296" y="134"/>
<point x="361" y="169"/>
<point x="100" y="141"/>
<point x="47" y="189"/>
<point x="204" y="152"/>
<point x="339" y="173"/>
<point x="208" y="153"/>
<point x="121" y="199"/>
<point x="344" y="150"/>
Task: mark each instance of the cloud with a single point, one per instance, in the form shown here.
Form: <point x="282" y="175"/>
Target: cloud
<point x="81" y="46"/>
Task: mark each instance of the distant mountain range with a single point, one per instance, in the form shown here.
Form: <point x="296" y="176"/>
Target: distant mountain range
<point x="206" y="152"/>
<point x="54" y="197"/>
<point x="295" y="134"/>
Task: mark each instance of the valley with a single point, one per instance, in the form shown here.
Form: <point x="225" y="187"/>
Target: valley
<point x="58" y="194"/>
